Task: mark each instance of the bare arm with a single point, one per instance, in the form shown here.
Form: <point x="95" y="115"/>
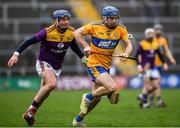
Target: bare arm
<point x="128" y="48"/>
<point x="79" y="38"/>
<point x="169" y="55"/>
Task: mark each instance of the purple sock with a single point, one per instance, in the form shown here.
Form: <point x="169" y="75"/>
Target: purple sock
<point x="144" y="98"/>
<point x="35" y="104"/>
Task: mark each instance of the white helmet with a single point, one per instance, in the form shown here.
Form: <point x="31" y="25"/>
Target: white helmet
<point x="148" y="30"/>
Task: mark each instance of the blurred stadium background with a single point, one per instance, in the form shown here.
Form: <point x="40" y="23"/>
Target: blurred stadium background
<point x="20" y="19"/>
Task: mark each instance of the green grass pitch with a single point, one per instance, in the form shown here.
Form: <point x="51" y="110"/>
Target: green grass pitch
<point x="61" y="107"/>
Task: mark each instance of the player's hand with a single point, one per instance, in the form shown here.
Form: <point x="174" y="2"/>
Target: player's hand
<point x="173" y="61"/>
<point x="13" y="60"/>
<point x="147" y="66"/>
<point x="165" y="67"/>
<point x="140" y="68"/>
<point x="84" y="60"/>
<point x="87" y="50"/>
<point x="124" y="57"/>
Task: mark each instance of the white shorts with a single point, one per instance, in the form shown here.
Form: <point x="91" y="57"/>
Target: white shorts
<point x="152" y="73"/>
<point x="42" y="66"/>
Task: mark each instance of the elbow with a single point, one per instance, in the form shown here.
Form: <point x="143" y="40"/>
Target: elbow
<point x="76" y="34"/>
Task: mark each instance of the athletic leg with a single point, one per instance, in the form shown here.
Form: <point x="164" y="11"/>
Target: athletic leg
<point x="49" y="83"/>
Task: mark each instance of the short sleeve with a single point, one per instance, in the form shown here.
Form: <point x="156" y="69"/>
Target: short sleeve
<point x="88" y="29"/>
<point x="41" y="35"/>
<point x="139" y="49"/>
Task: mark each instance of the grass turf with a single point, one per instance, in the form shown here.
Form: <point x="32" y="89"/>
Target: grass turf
<point x="61" y="107"/>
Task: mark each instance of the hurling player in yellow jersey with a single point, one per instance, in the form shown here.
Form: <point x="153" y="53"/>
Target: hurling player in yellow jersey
<point x="163" y="44"/>
<point x="105" y="35"/>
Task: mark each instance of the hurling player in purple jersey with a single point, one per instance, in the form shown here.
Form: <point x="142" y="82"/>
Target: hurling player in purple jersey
<point x="54" y="42"/>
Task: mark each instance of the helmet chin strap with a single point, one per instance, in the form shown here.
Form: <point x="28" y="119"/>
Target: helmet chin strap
<point x="58" y="27"/>
<point x="56" y="23"/>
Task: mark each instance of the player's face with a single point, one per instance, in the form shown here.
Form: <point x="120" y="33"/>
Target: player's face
<point x="158" y="31"/>
<point x="111" y="22"/>
<point x="63" y="23"/>
<point x="150" y="36"/>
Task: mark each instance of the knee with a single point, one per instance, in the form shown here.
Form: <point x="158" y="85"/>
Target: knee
<point x="112" y="89"/>
<point x="52" y="84"/>
<point x="155" y="84"/>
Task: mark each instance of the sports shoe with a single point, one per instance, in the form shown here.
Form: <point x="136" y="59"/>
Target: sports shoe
<point x="84" y="104"/>
<point x="29" y="116"/>
<point x="75" y="123"/>
<point x="146" y="105"/>
<point x="140" y="98"/>
<point x="161" y="104"/>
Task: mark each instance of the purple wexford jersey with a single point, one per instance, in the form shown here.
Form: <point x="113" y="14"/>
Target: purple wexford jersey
<point x="54" y="45"/>
<point x="148" y="50"/>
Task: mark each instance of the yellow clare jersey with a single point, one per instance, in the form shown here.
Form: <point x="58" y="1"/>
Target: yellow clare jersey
<point x="103" y="40"/>
<point x="162" y="44"/>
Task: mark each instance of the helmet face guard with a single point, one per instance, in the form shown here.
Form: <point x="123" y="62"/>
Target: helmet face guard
<point x="110" y="16"/>
<point x="59" y="15"/>
<point x="158" y="29"/>
<point x="149" y="34"/>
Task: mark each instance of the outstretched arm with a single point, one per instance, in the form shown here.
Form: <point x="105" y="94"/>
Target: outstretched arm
<point x="76" y="49"/>
<point x="13" y="60"/>
<point x="138" y="55"/>
<point x="78" y="52"/>
<point x="169" y="55"/>
<point x="26" y="43"/>
<point x="128" y="50"/>
<point x="165" y="66"/>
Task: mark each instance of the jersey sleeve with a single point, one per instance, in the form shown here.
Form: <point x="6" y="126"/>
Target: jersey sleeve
<point x="26" y="43"/>
<point x="87" y="29"/>
<point x="139" y="52"/>
<point x="41" y="35"/>
<point x="124" y="34"/>
<point x="74" y="46"/>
